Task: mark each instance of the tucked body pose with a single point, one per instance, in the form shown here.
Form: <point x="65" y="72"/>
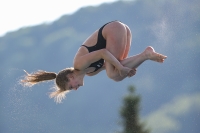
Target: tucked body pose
<point x="106" y="49"/>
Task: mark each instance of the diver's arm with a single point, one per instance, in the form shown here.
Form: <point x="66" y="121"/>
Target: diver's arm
<point x="96" y="72"/>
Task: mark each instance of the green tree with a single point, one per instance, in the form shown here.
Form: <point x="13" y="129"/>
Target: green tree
<point x="130" y="113"/>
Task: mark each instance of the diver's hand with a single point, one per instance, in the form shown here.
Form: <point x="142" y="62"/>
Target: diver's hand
<point x="132" y="72"/>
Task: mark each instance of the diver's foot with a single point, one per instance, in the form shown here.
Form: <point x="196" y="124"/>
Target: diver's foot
<point x="152" y="55"/>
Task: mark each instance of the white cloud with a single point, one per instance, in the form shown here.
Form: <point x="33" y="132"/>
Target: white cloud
<point x="164" y="119"/>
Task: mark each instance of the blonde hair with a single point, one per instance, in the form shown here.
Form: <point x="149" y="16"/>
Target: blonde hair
<point x="61" y="80"/>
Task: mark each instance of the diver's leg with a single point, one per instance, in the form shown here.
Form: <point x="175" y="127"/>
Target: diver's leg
<point x="116" y="41"/>
<point x="128" y="42"/>
<point x="136" y="60"/>
<point x="118" y="38"/>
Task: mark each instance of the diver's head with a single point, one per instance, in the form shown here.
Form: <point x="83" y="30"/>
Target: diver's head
<point x="66" y="80"/>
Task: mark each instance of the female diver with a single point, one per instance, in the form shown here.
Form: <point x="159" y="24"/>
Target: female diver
<point x="106" y="49"/>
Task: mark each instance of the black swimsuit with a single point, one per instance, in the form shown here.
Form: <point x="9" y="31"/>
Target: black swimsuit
<point x="101" y="44"/>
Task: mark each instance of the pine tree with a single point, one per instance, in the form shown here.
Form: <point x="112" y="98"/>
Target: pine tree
<point x="130" y="113"/>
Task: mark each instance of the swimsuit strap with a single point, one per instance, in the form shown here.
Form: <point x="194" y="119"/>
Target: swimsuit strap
<point x="85" y="46"/>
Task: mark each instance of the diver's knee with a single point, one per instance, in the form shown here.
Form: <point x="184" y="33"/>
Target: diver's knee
<point x="118" y="79"/>
<point x="114" y="75"/>
<point x="111" y="76"/>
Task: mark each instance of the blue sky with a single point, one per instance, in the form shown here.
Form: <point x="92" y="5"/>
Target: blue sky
<point x="15" y="14"/>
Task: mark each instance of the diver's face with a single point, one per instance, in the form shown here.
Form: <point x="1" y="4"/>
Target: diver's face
<point x="74" y="82"/>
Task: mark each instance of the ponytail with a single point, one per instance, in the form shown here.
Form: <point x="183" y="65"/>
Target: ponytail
<point x="37" y="77"/>
<point x="61" y="80"/>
